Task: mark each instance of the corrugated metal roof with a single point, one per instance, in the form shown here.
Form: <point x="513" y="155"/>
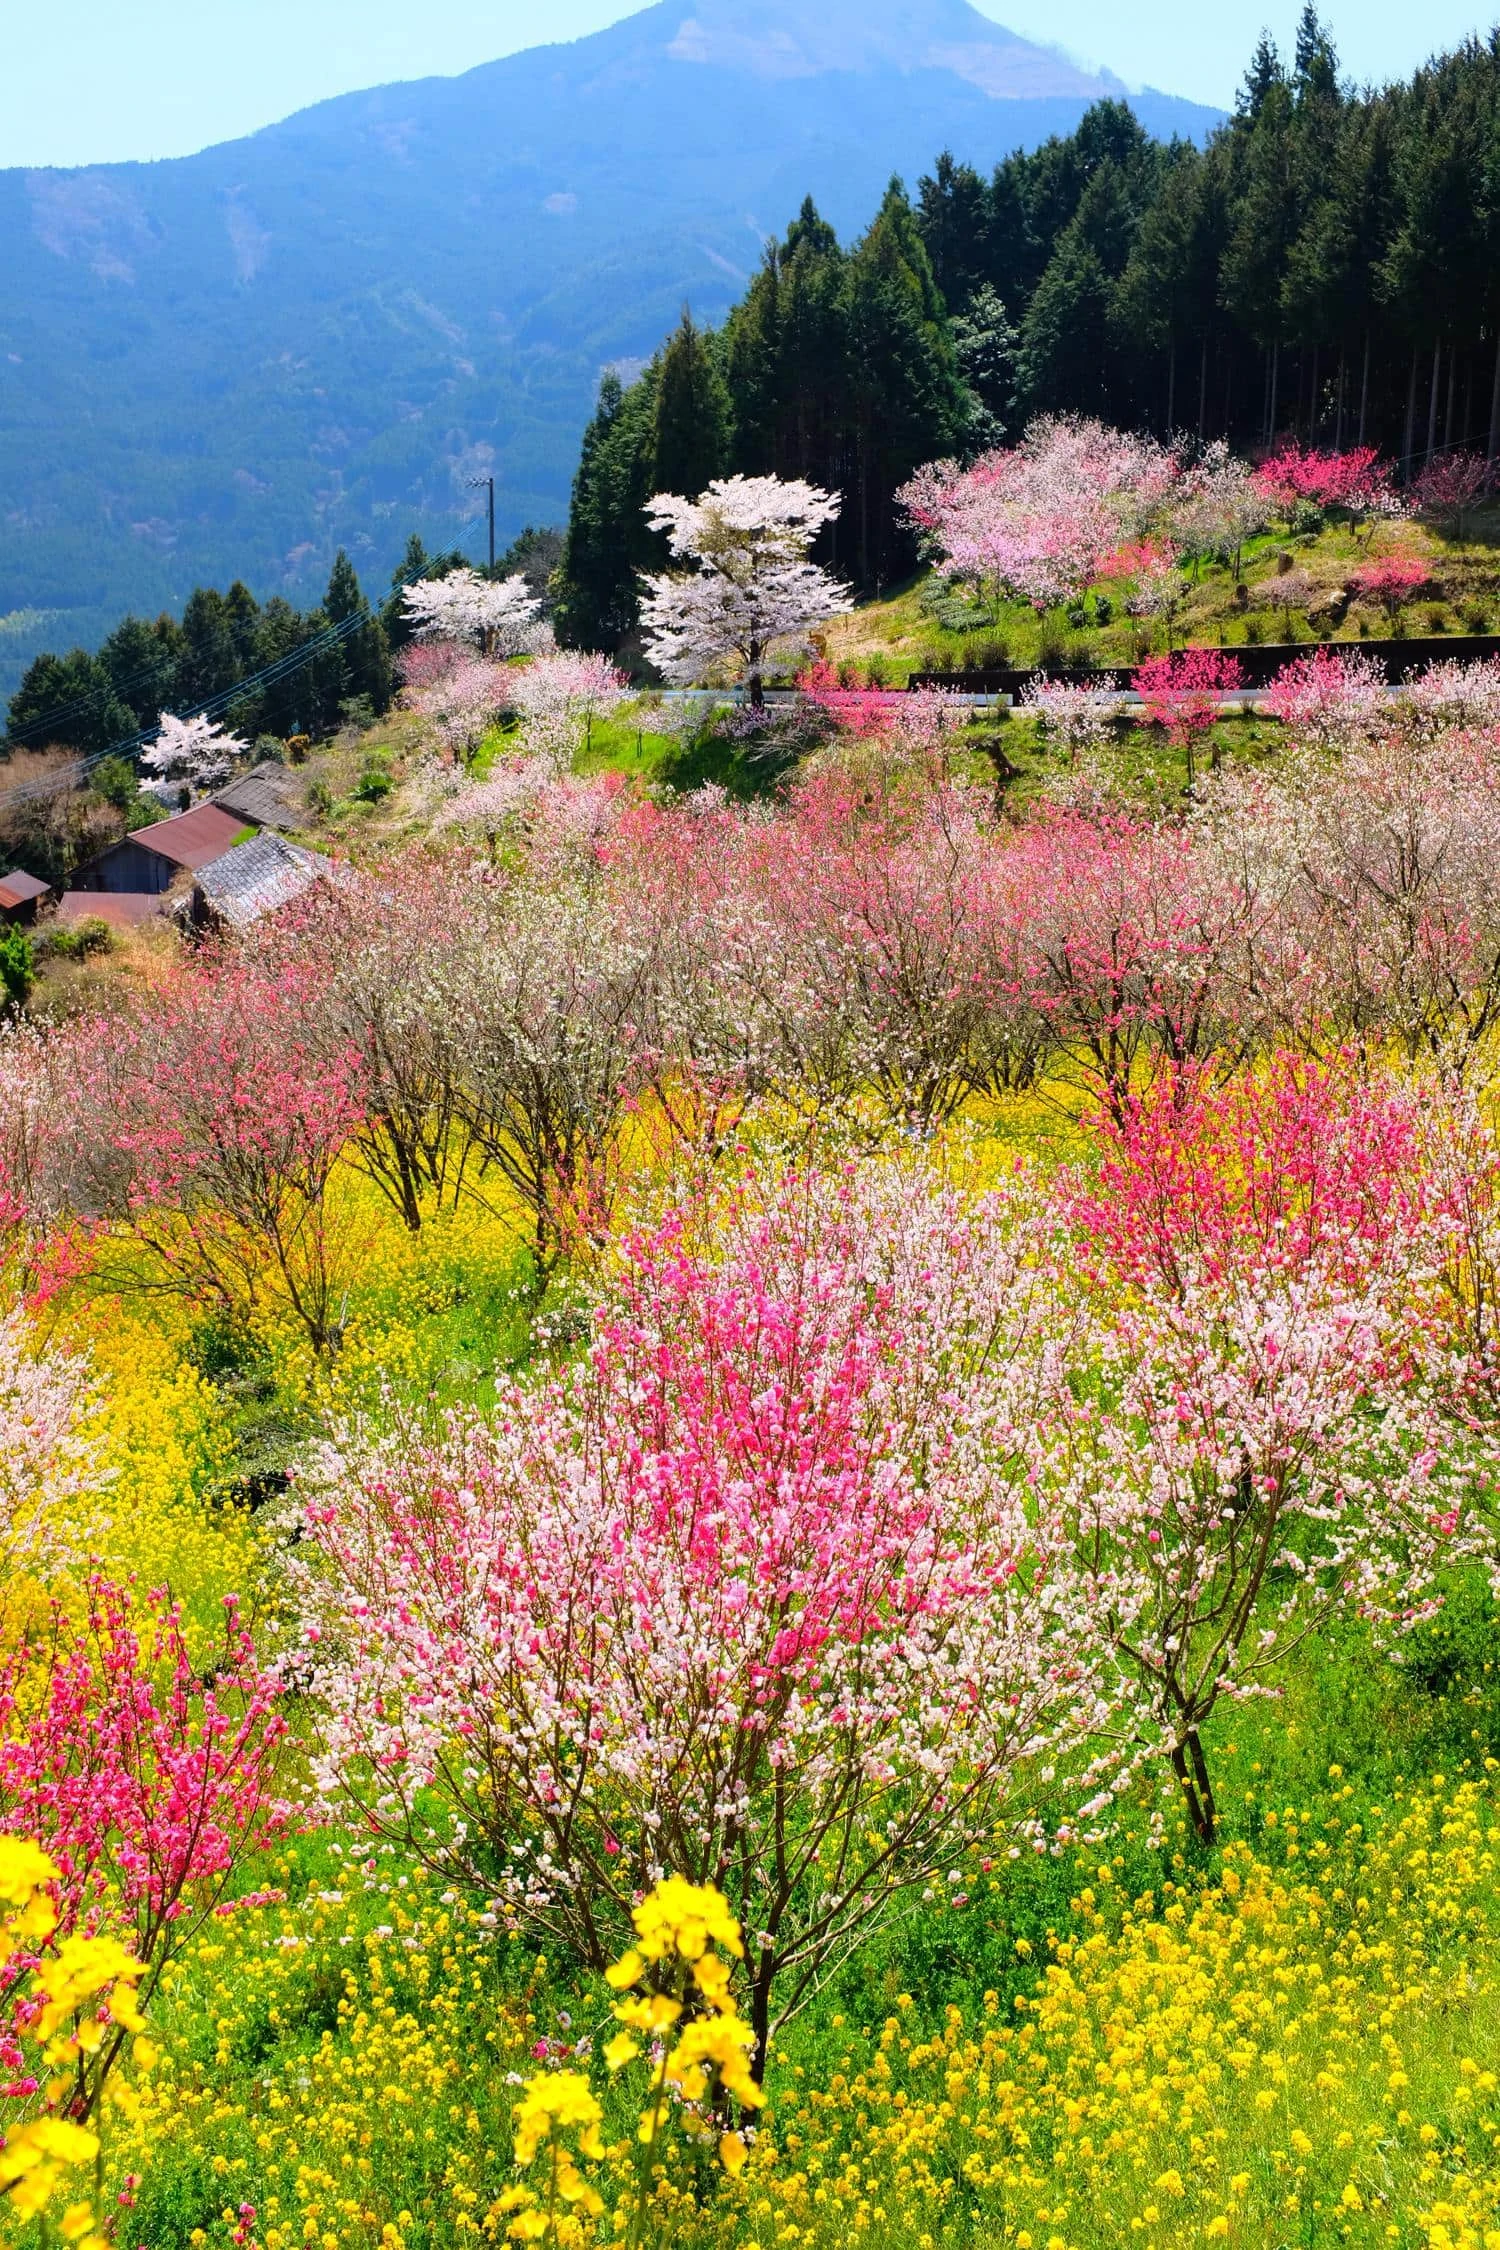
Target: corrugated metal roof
<point x="19" y="889"/>
<point x="189" y="839"/>
<point x="255" y="878"/>
<point x="122" y="910"/>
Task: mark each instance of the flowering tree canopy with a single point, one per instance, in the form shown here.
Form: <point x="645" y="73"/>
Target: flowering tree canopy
<point x="753" y="589"/>
<point x="460" y="691"/>
<point x="755" y="1595"/>
<point x="195" y="750"/>
<point x="1037" y="521"/>
<point x="560" y="694"/>
<point x="1356" y="481"/>
<point x="502" y="617"/>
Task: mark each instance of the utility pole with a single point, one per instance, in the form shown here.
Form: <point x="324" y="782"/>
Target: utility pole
<point x="489" y="482"/>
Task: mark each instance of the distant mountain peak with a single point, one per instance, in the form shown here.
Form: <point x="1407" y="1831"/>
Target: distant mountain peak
<point x="231" y="364"/>
<point x="782" y="39"/>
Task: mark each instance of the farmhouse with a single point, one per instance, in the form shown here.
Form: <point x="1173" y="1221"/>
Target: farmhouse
<point x="150" y="861"/>
<point x="253" y="879"/>
<point x="265" y="797"/>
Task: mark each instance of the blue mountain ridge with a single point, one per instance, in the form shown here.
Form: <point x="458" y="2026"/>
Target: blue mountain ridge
<point x="230" y="364"/>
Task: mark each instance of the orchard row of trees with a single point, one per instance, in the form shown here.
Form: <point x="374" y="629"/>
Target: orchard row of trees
<point x="1327" y="267"/>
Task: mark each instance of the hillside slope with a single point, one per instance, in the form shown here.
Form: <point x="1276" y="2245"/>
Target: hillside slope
<point x="231" y="363"/>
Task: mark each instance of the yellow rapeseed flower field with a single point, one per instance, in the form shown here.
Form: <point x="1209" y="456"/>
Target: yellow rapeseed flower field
<point x="1302" y="2050"/>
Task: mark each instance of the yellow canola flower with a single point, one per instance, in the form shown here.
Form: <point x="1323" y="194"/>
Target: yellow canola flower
<point x="557" y="2101"/>
<point x="683" y="1918"/>
<point x="81" y="1969"/>
<point x="714" y="2044"/>
<point x="24" y="1869"/>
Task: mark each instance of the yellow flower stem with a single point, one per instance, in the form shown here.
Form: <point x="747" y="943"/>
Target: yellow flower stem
<point x="551" y="2234"/>
<point x="658" y="2101"/>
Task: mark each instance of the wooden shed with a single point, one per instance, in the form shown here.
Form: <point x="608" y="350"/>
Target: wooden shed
<point x="150" y="861"/>
<point x="20" y="896"/>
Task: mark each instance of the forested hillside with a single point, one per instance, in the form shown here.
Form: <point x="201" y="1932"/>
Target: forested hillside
<point x="230" y="365"/>
<point x="1328" y="265"/>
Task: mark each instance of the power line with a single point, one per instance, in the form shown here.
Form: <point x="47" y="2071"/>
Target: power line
<point x="80" y="704"/>
<point x="213" y="706"/>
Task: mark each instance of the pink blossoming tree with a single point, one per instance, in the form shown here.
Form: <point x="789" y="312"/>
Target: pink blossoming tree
<point x="755" y="1596"/>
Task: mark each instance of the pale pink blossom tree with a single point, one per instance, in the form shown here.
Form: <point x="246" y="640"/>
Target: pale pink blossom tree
<point x="1330" y="699"/>
<point x="1078" y="718"/>
<point x="754" y="1596"/>
<point x="501" y="617"/>
<point x="1215" y="505"/>
<point x="50" y="1477"/>
<point x="462" y="694"/>
<point x="197" y="751"/>
<point x="1271" y="1447"/>
<point x="1038" y="521"/>
<point x="1449" y="696"/>
<point x="753" y="590"/>
<point x="559" y="697"/>
<point x="215" y="1120"/>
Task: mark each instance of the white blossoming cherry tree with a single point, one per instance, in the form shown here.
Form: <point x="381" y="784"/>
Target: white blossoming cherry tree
<point x="753" y="588"/>
<point x="500" y="617"/>
<point x="194" y="750"/>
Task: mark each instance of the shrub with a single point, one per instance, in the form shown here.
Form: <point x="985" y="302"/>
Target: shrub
<point x="75" y="941"/>
<point x="17" y="969"/>
<point x="375" y="781"/>
<point x="1391" y="583"/>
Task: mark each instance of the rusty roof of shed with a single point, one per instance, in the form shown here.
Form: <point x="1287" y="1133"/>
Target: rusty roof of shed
<point x="19" y="889"/>
<point x="189" y="839"/>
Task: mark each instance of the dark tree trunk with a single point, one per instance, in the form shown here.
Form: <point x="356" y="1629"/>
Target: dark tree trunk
<point x="1171" y="382"/>
<point x="1203" y="384"/>
<point x="1338" y="426"/>
<point x="1494" y="443"/>
<point x="1364" y="388"/>
<point x="1411" y="419"/>
<point x="1312" y="401"/>
<point x="1191" y="1769"/>
<point x="1452" y="386"/>
<point x="1432" y="397"/>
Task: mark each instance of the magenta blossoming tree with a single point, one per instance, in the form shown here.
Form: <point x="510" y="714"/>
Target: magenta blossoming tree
<point x="753" y="589"/>
<point x="1182" y="695"/>
<point x="1265" y="1444"/>
<point x="146" y="1775"/>
<point x="755" y="1597"/>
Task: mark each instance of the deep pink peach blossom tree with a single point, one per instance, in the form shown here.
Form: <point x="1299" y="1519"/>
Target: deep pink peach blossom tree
<point x="757" y="1595"/>
<point x="1266" y="1441"/>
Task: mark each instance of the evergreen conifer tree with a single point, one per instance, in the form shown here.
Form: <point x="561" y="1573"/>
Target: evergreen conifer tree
<point x="690" y="431"/>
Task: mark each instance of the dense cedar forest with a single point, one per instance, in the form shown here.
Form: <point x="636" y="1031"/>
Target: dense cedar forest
<point x="1328" y="265"/>
<point x="92" y="703"/>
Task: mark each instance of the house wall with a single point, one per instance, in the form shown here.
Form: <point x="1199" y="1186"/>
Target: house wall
<point x="126" y="866"/>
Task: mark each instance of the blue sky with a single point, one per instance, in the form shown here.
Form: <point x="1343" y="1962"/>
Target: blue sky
<point x="95" y="80"/>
